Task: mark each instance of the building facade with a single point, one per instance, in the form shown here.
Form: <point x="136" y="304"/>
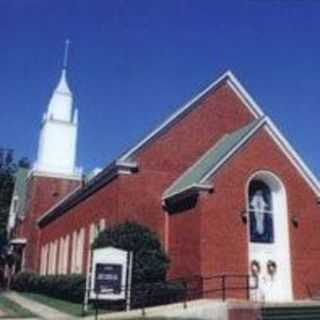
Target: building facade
<point x="217" y="181"/>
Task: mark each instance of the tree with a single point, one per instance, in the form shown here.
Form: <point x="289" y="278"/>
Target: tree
<point x="8" y="168"/>
<point x="150" y="263"/>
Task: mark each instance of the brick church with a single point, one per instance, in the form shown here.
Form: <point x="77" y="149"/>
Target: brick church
<point x="217" y="181"/>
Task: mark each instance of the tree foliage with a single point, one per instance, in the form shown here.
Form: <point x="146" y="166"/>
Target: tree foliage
<point x="8" y="168"/>
<point x="150" y="263"/>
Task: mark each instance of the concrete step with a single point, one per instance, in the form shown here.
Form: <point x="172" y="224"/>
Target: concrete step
<point x="294" y="312"/>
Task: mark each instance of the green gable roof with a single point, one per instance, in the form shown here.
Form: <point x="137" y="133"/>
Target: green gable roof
<point x="194" y="175"/>
<point x="20" y="186"/>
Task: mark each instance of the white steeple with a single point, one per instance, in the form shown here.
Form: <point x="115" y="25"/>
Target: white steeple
<point x="60" y="104"/>
<point x="58" y="136"/>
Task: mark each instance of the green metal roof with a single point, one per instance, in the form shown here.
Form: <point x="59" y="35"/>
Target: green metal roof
<point x="209" y="160"/>
<point x="20" y="186"/>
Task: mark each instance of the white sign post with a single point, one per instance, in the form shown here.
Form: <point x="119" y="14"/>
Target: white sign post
<point x="110" y="277"/>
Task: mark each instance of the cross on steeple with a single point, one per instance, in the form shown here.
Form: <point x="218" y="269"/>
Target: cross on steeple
<point x="66" y="54"/>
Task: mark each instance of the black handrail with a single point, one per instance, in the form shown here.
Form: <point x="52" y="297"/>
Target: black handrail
<point x="194" y="286"/>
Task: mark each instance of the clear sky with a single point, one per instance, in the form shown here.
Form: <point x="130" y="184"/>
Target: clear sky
<point x="133" y="62"/>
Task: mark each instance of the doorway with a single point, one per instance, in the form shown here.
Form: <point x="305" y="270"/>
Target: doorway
<point x="268" y="232"/>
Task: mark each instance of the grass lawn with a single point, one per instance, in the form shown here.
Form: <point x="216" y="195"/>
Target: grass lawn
<point x="13" y="310"/>
<point x="74" y="309"/>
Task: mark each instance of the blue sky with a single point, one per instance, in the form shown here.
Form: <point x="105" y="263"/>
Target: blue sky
<point x="132" y="63"/>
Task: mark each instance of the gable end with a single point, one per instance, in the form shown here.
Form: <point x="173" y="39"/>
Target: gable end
<point x="229" y="78"/>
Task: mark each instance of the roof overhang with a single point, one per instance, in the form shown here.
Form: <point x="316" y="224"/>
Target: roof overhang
<point x="190" y="190"/>
<point x="18" y="241"/>
<point x="105" y="176"/>
<point x="200" y="182"/>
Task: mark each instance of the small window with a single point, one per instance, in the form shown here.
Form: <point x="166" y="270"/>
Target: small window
<point x="55" y="194"/>
<point x="15" y="205"/>
<point x="261" y="212"/>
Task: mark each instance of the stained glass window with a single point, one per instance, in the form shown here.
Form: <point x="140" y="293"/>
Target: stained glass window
<point x="260" y="212"/>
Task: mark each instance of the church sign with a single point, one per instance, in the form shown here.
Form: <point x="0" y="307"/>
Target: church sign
<point x="111" y="274"/>
<point x="108" y="278"/>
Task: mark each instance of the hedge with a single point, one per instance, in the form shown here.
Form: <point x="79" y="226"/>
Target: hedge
<point x="160" y="293"/>
<point x="72" y="287"/>
<point x="66" y="287"/>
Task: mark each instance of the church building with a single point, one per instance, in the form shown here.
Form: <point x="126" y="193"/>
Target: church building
<point x="217" y="181"/>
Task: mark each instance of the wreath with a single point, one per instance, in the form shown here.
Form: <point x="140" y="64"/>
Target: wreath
<point x="271" y="267"/>
<point x="255" y="267"/>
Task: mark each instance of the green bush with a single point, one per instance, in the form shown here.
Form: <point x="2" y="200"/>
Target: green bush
<point x="23" y="281"/>
<point x="151" y="294"/>
<point x="65" y="287"/>
<point x="150" y="263"/>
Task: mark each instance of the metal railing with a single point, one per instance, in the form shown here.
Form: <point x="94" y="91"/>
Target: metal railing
<point x="184" y="290"/>
<point x="229" y="282"/>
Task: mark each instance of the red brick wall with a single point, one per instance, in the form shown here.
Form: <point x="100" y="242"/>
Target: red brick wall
<point x="217" y="113"/>
<point x="185" y="239"/>
<point x="42" y="193"/>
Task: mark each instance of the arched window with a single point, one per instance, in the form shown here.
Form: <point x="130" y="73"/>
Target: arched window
<point x="260" y="212"/>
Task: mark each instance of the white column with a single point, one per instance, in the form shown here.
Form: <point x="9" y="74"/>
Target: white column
<point x="73" y="250"/>
<point x="91" y="234"/>
<point x="45" y="261"/>
<point x="66" y="257"/>
<point x="90" y="242"/>
<point x="41" y="260"/>
<point x="49" y="258"/>
<point x="54" y="259"/>
<point x="79" y="253"/>
<point x="102" y="224"/>
<point x="61" y="254"/>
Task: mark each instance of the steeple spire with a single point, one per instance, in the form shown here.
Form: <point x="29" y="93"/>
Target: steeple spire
<point x="66" y="54"/>
<point x="60" y="104"/>
<point x="57" y="144"/>
<point x="63" y="84"/>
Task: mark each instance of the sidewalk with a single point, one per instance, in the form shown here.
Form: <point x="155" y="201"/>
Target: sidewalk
<point x="37" y="308"/>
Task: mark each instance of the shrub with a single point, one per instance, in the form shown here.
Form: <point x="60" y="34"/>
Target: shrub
<point x="66" y="287"/>
<point x="150" y="263"/>
<point x="158" y="293"/>
<point x="23" y="281"/>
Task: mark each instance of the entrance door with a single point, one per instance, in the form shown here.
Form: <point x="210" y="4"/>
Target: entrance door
<point x="263" y="268"/>
<point x="269" y="257"/>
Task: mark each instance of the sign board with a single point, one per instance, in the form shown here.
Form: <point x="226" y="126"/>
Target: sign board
<point x="109" y="277"/>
